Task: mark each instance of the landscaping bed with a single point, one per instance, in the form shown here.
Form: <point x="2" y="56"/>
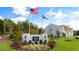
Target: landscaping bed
<point x="35" y="47"/>
<point x="60" y="44"/>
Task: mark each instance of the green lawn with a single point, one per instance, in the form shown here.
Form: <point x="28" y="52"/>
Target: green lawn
<point x="5" y="47"/>
<point x="63" y="45"/>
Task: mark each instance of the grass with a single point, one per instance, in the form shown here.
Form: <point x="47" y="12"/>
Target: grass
<point x="5" y="47"/>
<point x="66" y="44"/>
<point x="62" y="44"/>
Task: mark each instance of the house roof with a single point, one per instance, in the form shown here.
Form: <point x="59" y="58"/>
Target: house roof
<point x="51" y="25"/>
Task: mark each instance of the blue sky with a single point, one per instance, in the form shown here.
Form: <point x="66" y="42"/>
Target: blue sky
<point x="56" y="15"/>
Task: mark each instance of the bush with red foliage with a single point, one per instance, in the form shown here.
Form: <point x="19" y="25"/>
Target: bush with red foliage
<point x="52" y="44"/>
<point x="17" y="44"/>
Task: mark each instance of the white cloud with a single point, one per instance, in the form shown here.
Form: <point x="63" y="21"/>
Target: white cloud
<point x="56" y="15"/>
<point x="74" y="24"/>
<point x="1" y="17"/>
<point x="40" y="23"/>
<point x="61" y="23"/>
<point x="44" y="24"/>
<point x="50" y="13"/>
<point x="75" y="13"/>
<point x="59" y="20"/>
<point x="20" y="10"/>
<point x="17" y="19"/>
<point x="59" y="15"/>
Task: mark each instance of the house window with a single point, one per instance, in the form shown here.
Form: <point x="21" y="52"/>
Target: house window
<point x="44" y="37"/>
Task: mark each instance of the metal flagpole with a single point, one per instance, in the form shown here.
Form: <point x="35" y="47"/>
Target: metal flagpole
<point x="42" y="25"/>
<point x="29" y="23"/>
<point x="34" y="29"/>
<point x="4" y="28"/>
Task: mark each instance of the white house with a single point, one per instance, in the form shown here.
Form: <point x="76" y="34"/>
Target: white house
<point x="57" y="30"/>
<point x="67" y="30"/>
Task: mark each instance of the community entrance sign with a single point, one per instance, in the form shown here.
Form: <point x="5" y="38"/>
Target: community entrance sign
<point x="43" y="38"/>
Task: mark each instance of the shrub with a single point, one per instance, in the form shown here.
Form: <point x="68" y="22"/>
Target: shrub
<point x="25" y="42"/>
<point x="36" y="42"/>
<point x="30" y="41"/>
<point x="45" y="41"/>
<point x="40" y="41"/>
<point x="12" y="37"/>
<point x="52" y="44"/>
<point x="15" y="36"/>
<point x="51" y="36"/>
<point x="16" y="44"/>
<point x="76" y="37"/>
<point x="64" y="35"/>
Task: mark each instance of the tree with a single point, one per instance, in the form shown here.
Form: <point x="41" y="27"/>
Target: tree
<point x="40" y="31"/>
<point x="1" y="27"/>
<point x="15" y="30"/>
<point x="25" y="27"/>
<point x="77" y="33"/>
<point x="8" y="26"/>
<point x="51" y="36"/>
<point x="64" y="35"/>
<point x="16" y="36"/>
<point x="66" y="27"/>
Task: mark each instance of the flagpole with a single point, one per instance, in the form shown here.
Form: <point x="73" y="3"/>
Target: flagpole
<point x="29" y="24"/>
<point x="33" y="11"/>
<point x="4" y="28"/>
<point x="42" y="25"/>
<point x="43" y="17"/>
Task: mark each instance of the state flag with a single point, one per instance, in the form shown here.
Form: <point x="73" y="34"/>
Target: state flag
<point x="44" y="17"/>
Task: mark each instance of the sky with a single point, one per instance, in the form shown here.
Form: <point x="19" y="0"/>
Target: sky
<point x="55" y="15"/>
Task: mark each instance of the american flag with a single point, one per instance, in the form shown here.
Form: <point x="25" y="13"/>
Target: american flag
<point x="34" y="11"/>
